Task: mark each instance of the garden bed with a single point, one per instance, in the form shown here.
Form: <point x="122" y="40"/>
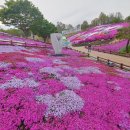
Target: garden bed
<point x="42" y="92"/>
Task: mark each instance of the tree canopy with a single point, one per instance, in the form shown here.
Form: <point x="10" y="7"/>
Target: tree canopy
<point x="107" y="19"/>
<point x="61" y="27"/>
<point x="84" y="25"/>
<point x="43" y="28"/>
<point x="127" y="19"/>
<point x="21" y="14"/>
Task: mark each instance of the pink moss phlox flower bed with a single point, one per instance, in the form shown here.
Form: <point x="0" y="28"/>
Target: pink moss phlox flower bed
<point x="42" y="92"/>
<point x="114" y="47"/>
<point x="29" y="42"/>
<point x="97" y="33"/>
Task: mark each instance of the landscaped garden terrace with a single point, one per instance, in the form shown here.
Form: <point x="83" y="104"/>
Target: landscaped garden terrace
<point x="112" y="47"/>
<point x="105" y="32"/>
<point x="41" y="92"/>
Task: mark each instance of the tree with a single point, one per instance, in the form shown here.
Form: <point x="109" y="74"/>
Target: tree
<point x="103" y="18"/>
<point x="119" y="16"/>
<point x="111" y="17"/>
<point x="78" y="26"/>
<point x="115" y="18"/>
<point x="69" y="27"/>
<point x="84" y="25"/>
<point x="107" y="19"/>
<point x="124" y="33"/>
<point x="43" y="28"/>
<point x="60" y="27"/>
<point x="127" y="19"/>
<point x="95" y="22"/>
<point x="20" y="13"/>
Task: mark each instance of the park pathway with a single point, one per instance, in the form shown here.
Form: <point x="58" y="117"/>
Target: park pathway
<point x="115" y="58"/>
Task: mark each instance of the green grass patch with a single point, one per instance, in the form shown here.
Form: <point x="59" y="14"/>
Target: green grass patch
<point x="123" y="51"/>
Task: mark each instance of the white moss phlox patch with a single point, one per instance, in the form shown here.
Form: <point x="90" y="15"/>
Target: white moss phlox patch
<point x="64" y="102"/>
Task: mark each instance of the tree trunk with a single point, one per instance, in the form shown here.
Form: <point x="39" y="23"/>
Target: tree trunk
<point x="45" y="38"/>
<point x="25" y="31"/>
<point x="127" y="46"/>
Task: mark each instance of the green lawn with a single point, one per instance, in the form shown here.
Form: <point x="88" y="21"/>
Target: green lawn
<point x="124" y="50"/>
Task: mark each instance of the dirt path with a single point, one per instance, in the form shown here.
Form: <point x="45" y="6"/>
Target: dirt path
<point x="119" y="59"/>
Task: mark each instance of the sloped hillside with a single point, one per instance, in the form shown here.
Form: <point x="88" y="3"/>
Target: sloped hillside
<point x="97" y="33"/>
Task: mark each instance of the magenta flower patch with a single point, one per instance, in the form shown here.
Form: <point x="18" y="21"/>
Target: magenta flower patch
<point x="97" y="33"/>
<point x="41" y="92"/>
<point x="115" y="47"/>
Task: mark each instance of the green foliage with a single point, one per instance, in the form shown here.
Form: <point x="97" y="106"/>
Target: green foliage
<point x="127" y="19"/>
<point x="21" y="14"/>
<point x="116" y="20"/>
<point x="124" y="33"/>
<point x="84" y="25"/>
<point x="122" y="51"/>
<point x="107" y="19"/>
<point x="60" y="27"/>
<point x="15" y="32"/>
<point x="103" y="18"/>
<point x="69" y="27"/>
<point x="43" y="28"/>
<point x="95" y="22"/>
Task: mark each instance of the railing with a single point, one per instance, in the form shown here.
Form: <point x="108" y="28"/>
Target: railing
<point x="107" y="61"/>
<point x="113" y="63"/>
<point x="111" y="52"/>
<point x="12" y="36"/>
<point x="100" y="59"/>
<point x="20" y="43"/>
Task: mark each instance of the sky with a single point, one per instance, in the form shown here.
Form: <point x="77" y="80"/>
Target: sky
<point x="76" y="11"/>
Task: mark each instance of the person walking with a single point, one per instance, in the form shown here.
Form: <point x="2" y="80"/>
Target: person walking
<point x="89" y="47"/>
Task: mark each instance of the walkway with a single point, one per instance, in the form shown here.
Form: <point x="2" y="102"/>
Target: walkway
<point x="118" y="59"/>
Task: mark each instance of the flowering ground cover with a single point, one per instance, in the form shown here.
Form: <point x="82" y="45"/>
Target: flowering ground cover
<point x="97" y="33"/>
<point x="29" y="42"/>
<point x="115" y="47"/>
<point x="41" y="92"/>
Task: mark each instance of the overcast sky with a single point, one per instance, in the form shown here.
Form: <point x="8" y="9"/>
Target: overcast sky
<point x="76" y="11"/>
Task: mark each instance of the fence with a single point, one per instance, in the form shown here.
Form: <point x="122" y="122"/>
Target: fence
<point x="20" y="43"/>
<point x="107" y="61"/>
<point x="111" y="52"/>
<point x="100" y="59"/>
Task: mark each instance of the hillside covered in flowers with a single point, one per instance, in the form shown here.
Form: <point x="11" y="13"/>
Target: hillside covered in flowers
<point x="41" y="92"/>
<point x="101" y="32"/>
<point x="112" y="47"/>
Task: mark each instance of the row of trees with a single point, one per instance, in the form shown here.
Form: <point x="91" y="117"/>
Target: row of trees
<point x="105" y="19"/>
<point x="102" y="19"/>
<point x="27" y="19"/>
<point x="61" y="27"/>
<point x="109" y="19"/>
<point x="24" y="16"/>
